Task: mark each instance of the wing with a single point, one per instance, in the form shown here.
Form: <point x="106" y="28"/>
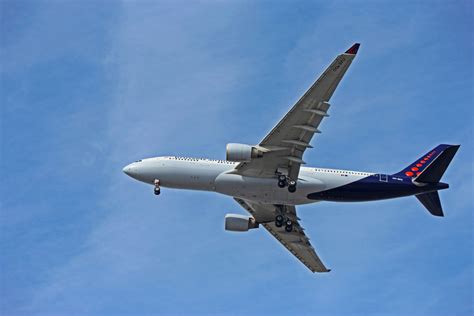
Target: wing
<point x="296" y="241"/>
<point x="284" y="146"/>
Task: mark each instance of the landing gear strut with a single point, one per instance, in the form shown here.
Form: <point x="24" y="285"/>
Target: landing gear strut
<point x="157" y="189"/>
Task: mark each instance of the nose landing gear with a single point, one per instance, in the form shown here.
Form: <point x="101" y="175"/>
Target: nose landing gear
<point x="157" y="189"/>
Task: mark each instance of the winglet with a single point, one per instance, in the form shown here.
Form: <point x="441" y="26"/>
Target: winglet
<point x="353" y="50"/>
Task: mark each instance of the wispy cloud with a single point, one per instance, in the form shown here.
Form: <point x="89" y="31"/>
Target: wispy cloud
<point x="157" y="78"/>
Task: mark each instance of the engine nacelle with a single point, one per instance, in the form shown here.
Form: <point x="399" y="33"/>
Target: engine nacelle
<point x="239" y="223"/>
<point x="241" y="152"/>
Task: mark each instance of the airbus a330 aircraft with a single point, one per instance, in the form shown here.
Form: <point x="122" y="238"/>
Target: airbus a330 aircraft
<point x="268" y="179"/>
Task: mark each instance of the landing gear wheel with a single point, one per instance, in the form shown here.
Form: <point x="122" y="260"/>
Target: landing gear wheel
<point x="279" y="220"/>
<point x="292" y="188"/>
<point x="282" y="181"/>
<point x="289" y="222"/>
<point x="289" y="228"/>
<point x="157" y="190"/>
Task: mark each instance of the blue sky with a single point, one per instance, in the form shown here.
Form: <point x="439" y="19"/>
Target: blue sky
<point x="87" y="87"/>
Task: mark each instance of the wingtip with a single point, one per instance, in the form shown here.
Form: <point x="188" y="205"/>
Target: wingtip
<point x="353" y="50"/>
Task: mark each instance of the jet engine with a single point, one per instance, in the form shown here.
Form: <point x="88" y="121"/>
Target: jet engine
<point x="241" y="152"/>
<point x="239" y="223"/>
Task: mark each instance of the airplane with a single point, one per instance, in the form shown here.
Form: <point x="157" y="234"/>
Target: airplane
<point x="269" y="179"/>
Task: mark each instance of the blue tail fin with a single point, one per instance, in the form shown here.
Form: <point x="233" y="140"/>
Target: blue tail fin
<point x="430" y="167"/>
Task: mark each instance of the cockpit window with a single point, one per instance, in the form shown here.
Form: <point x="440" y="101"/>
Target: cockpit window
<point x="139" y="160"/>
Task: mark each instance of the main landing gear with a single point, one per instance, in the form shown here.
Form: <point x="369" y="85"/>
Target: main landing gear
<point x="280" y="221"/>
<point x="291" y="186"/>
<point x="284" y="181"/>
<point x="157" y="189"/>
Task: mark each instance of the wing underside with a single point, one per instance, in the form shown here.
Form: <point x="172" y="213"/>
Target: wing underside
<point x="284" y="146"/>
<point x="296" y="241"/>
<point x="282" y="154"/>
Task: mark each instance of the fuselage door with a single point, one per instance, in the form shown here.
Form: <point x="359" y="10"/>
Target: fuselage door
<point x="383" y="178"/>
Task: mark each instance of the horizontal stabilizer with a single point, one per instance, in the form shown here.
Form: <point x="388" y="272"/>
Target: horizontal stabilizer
<point x="431" y="202"/>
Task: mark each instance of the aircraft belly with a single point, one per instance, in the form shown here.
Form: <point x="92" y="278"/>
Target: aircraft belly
<point x="192" y="176"/>
<point x="265" y="190"/>
<point x="369" y="189"/>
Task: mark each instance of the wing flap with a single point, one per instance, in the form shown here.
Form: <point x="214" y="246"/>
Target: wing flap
<point x="296" y="241"/>
<point x="299" y="247"/>
<point x="293" y="133"/>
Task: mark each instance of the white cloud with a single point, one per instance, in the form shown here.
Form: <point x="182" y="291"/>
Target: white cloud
<point x="178" y="79"/>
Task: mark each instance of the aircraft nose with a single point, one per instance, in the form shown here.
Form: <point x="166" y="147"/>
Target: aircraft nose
<point x="138" y="170"/>
<point x="128" y="170"/>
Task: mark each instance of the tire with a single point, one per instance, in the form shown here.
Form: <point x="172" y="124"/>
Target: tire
<point x="282" y="178"/>
<point x="279" y="218"/>
<point x="292" y="183"/>
<point x="289" y="222"/>
<point x="292" y="188"/>
<point x="289" y="228"/>
<point x="157" y="192"/>
<point x="281" y="184"/>
<point x="278" y="224"/>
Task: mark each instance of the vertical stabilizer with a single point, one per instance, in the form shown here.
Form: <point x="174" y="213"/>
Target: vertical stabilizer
<point x="435" y="170"/>
<point x="428" y="170"/>
<point x="430" y="167"/>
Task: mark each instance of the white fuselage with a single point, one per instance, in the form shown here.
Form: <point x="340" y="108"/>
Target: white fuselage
<point x="218" y="176"/>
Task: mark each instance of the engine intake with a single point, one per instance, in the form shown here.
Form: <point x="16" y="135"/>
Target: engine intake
<point x="239" y="223"/>
<point x="242" y="152"/>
